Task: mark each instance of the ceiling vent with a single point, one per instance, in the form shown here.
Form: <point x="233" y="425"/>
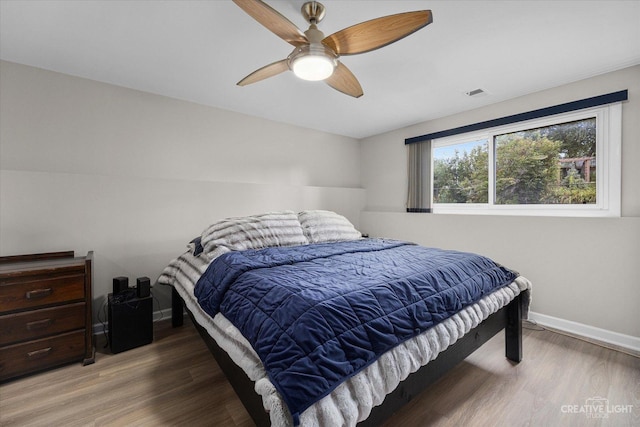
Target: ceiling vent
<point x="475" y="92"/>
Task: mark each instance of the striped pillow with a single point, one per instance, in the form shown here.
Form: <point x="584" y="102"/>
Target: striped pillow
<point x="326" y="226"/>
<point x="254" y="232"/>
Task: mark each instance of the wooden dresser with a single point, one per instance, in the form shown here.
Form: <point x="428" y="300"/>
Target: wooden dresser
<point x="45" y="312"/>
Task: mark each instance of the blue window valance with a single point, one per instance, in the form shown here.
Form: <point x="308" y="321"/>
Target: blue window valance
<point x="595" y="101"/>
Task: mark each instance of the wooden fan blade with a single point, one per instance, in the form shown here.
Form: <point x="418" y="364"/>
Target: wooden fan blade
<point x="377" y="33"/>
<point x="265" y="72"/>
<point x="273" y="21"/>
<point x="344" y="81"/>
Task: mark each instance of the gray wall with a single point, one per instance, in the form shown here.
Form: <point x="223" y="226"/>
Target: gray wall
<point x="134" y="176"/>
<point x="582" y="269"/>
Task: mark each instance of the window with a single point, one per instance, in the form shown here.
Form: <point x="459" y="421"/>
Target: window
<point x="461" y="172"/>
<point x="566" y="164"/>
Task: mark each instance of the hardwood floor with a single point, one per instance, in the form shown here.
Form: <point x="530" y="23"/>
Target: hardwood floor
<point x="175" y="381"/>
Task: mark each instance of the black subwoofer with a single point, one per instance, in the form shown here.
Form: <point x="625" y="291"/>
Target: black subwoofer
<point x="130" y="321"/>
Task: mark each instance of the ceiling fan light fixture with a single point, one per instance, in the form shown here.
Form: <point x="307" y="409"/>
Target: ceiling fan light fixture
<point x="313" y="67"/>
<point x="312" y="62"/>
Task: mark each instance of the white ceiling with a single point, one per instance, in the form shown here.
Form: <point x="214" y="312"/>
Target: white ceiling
<point x="198" y="50"/>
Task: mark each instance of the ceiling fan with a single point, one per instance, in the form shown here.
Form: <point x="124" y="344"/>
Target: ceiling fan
<point x="316" y="57"/>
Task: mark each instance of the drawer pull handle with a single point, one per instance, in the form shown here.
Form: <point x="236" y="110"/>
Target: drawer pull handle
<point x="38" y="353"/>
<point x="38" y="324"/>
<point x="39" y="293"/>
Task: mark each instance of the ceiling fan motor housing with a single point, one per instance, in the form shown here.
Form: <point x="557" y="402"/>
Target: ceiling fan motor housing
<point x="313" y="61"/>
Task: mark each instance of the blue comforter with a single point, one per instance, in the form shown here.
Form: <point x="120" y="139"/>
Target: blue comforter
<point x="318" y="314"/>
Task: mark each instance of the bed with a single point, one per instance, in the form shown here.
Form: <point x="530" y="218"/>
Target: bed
<point x="353" y="373"/>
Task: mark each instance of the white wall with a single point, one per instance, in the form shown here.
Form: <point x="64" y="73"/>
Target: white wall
<point x="135" y="176"/>
<point x="583" y="269"/>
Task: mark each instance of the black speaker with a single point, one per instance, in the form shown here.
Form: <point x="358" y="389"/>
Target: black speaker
<point x="130" y="322"/>
<point x="120" y="284"/>
<point x="143" y="287"/>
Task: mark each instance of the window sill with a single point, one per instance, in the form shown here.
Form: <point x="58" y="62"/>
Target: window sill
<point x="559" y="211"/>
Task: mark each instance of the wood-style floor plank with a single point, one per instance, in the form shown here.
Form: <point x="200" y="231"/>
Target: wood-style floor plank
<point x="175" y="381"/>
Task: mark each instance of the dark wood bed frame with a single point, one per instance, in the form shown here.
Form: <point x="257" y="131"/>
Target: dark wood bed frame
<point x="508" y="318"/>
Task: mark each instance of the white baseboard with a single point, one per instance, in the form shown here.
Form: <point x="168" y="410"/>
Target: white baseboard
<point x="99" y="328"/>
<point x="621" y="340"/>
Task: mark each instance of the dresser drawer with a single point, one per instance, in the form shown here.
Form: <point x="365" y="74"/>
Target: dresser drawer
<point x="19" y="294"/>
<point x="34" y="324"/>
<point x="35" y="355"/>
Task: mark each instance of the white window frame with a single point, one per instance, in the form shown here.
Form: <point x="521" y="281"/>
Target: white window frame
<point x="608" y="172"/>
